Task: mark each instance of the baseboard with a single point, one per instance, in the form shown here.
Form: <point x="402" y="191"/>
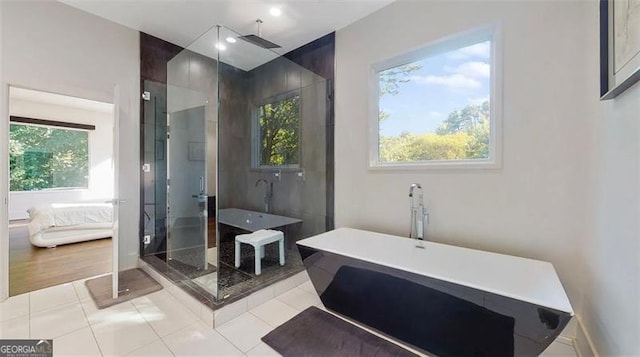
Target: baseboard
<point x="570" y="341"/>
<point x="583" y="342"/>
<point x="17" y="215"/>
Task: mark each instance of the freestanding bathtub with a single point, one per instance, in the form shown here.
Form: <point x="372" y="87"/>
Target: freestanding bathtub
<point x="442" y="299"/>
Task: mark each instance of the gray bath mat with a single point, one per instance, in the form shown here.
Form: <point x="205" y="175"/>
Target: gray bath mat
<point x="314" y="332"/>
<point x="133" y="283"/>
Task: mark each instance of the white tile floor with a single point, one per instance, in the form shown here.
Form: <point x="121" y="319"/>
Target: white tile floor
<point x="153" y="325"/>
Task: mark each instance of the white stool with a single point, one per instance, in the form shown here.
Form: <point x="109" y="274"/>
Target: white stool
<point x="258" y="240"/>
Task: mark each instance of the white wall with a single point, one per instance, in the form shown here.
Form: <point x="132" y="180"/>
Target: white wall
<point x="4" y="162"/>
<point x="52" y="47"/>
<point x="611" y="313"/>
<point x="535" y="205"/>
<point x="100" y="156"/>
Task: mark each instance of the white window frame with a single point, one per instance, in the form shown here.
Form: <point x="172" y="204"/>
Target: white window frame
<point x="491" y="33"/>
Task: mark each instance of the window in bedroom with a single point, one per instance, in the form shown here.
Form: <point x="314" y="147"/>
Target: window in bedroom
<point x="43" y="157"/>
<point x="438" y="106"/>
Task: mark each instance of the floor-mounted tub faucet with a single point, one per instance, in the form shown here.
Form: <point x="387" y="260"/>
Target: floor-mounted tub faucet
<point x="419" y="215"/>
<point x="268" y="194"/>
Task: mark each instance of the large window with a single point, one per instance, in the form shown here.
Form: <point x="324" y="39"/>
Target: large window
<point x="437" y="106"/>
<point x="278" y="132"/>
<point x="43" y="158"/>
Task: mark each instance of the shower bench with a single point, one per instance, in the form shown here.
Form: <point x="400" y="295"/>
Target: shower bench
<point x="258" y="240"/>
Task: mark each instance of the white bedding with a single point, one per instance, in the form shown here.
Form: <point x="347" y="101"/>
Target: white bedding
<point x="69" y="217"/>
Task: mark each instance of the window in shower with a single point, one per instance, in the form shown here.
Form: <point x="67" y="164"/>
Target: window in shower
<point x="277" y="132"/>
<point x="438" y="106"/>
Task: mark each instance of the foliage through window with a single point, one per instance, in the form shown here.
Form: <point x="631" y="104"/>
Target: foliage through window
<point x="279" y="132"/>
<point x="47" y="158"/>
<point x="436" y="108"/>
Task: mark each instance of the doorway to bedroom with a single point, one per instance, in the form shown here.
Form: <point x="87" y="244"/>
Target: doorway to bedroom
<point x="61" y="176"/>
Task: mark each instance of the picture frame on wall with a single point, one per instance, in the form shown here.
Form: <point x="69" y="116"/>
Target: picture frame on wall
<point x="619" y="46"/>
<point x="197" y="151"/>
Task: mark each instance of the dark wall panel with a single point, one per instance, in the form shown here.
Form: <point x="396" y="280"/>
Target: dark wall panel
<point x="154" y="56"/>
<point x="319" y="57"/>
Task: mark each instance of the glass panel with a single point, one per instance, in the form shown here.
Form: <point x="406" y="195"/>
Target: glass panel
<point x="253" y="158"/>
<point x="272" y="162"/>
<point x="191" y="79"/>
<point x="154" y="173"/>
<point x="187" y="190"/>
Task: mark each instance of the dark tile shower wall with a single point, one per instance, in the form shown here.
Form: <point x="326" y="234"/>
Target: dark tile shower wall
<point x="305" y="197"/>
<point x="319" y="57"/>
<point x="235" y="137"/>
<point x="293" y="196"/>
<point x="310" y="199"/>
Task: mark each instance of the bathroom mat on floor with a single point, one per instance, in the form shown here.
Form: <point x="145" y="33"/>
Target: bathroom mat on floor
<point x="314" y="332"/>
<point x="132" y="283"/>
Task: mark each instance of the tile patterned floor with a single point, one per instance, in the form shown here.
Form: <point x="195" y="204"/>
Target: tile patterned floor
<point x="154" y="325"/>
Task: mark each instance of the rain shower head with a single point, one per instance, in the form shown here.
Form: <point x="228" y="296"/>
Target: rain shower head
<point x="258" y="40"/>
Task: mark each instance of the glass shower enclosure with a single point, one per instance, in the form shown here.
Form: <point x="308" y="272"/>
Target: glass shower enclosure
<point x="240" y="147"/>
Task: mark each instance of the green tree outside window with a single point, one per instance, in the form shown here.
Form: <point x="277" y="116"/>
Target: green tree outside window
<point x="47" y="158"/>
<point x="464" y="135"/>
<point x="279" y="123"/>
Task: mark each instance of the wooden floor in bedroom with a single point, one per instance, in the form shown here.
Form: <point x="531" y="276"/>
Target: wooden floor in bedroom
<point x="32" y="268"/>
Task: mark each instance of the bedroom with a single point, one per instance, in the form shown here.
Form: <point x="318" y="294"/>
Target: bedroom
<point x="61" y="176"/>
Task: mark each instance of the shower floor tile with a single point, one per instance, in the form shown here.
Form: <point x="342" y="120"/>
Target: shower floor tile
<point x="237" y="281"/>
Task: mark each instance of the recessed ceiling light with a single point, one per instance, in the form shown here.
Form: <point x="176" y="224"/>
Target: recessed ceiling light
<point x="221" y="46"/>
<point x="231" y="40"/>
<point x="275" y="11"/>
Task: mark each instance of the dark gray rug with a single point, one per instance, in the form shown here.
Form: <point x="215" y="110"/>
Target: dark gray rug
<point x="314" y="332"/>
<point x="132" y="283"/>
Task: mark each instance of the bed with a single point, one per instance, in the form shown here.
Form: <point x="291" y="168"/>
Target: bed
<point x="63" y="223"/>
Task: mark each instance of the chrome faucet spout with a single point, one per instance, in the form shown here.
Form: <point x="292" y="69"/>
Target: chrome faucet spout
<point x="268" y="194"/>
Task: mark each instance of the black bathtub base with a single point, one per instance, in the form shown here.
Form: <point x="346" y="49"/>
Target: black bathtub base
<point x="435" y="316"/>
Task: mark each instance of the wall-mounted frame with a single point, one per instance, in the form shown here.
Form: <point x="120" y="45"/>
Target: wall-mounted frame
<point x="197" y="151"/>
<point x="619" y="46"/>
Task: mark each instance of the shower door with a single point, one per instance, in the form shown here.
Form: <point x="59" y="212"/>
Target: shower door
<point x="154" y="177"/>
<point x="187" y="184"/>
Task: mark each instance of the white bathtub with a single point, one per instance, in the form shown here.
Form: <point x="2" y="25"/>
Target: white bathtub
<point x="442" y="299"/>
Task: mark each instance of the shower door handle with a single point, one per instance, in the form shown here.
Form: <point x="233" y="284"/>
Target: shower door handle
<point x="201" y="194"/>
